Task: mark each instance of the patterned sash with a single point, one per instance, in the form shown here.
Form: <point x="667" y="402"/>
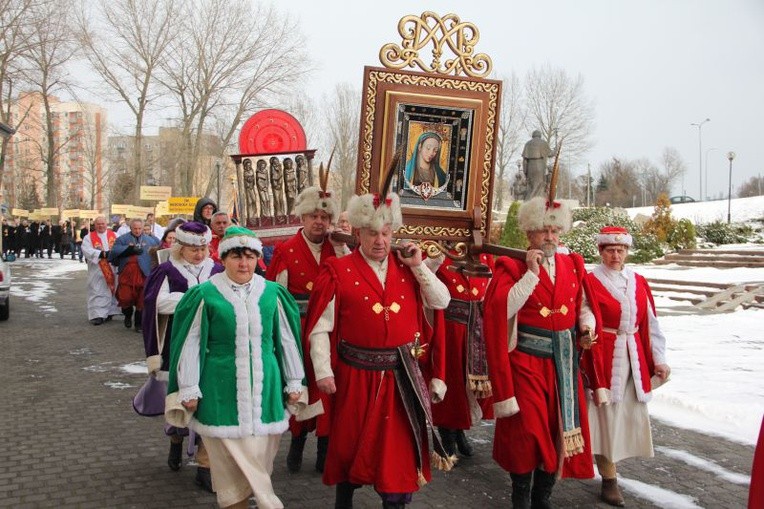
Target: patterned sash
<point x="470" y="313"/>
<point x="413" y="391"/>
<point x="559" y="346"/>
<point x="103" y="264"/>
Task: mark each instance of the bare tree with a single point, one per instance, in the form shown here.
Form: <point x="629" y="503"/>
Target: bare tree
<point x="220" y="67"/>
<point x="511" y="120"/>
<point x="14" y="41"/>
<point x="343" y="116"/>
<point x="754" y="186"/>
<point x="125" y="47"/>
<point x="558" y="106"/>
<point x="674" y="167"/>
<point x="95" y="177"/>
<point x="618" y="184"/>
<point x="52" y="47"/>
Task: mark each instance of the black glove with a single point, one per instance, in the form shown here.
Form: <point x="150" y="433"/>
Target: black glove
<point x="104" y="255"/>
<point x="137" y="250"/>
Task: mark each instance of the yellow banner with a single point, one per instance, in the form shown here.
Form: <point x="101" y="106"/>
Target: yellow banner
<point x="90" y="214"/>
<point x="135" y="212"/>
<point x="162" y="209"/>
<point x="49" y="211"/>
<point x="19" y="212"/>
<point x="182" y="204"/>
<point x="119" y="208"/>
<point x="70" y="213"/>
<point x="155" y="192"/>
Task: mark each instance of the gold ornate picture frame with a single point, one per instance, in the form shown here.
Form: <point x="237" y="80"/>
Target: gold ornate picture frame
<point x="445" y="128"/>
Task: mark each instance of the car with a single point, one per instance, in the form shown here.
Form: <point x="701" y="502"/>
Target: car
<point x="5" y="290"/>
<point x="681" y="199"/>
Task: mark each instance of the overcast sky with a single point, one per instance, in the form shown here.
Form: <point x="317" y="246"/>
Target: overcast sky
<point x="652" y="67"/>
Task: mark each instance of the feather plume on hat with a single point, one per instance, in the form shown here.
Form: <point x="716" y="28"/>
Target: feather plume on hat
<point x="318" y="198"/>
<point x="375" y="210"/>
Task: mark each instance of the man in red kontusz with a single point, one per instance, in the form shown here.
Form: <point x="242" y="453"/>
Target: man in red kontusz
<point x="295" y="265"/>
<point x="368" y="341"/>
<point x="538" y="310"/>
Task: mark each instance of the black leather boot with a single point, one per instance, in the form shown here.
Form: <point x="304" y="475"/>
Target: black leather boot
<point x="175" y="458"/>
<point x="465" y="449"/>
<point x="543" y="483"/>
<point x="521" y="490"/>
<point x="138" y="321"/>
<point x="204" y="479"/>
<point x="448" y="438"/>
<point x="323" y="446"/>
<point x="128" y="312"/>
<point x="344" y="495"/>
<point x="294" y="457"/>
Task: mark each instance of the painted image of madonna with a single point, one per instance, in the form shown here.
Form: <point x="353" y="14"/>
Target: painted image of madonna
<point x="424" y="174"/>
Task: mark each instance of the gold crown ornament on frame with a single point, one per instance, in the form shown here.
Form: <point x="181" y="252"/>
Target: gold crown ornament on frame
<point x="444" y="33"/>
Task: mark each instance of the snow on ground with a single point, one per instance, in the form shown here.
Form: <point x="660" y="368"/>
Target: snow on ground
<point x="38" y="287"/>
<point x="742" y="210"/>
<point x="703" y="464"/>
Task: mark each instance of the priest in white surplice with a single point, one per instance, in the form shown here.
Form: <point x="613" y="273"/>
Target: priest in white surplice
<point x="102" y="276"/>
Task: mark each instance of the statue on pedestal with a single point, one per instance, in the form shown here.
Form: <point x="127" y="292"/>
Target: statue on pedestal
<point x="277" y="186"/>
<point x="290" y="184"/>
<point x="535" y="154"/>
<point x="250" y="196"/>
<point x="261" y="177"/>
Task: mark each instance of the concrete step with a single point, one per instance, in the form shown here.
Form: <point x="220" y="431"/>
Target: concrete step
<point x="713" y="258"/>
<point x="710" y="263"/>
<point x="740" y="252"/>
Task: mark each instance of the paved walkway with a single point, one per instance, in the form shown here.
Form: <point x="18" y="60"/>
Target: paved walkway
<point x="70" y="437"/>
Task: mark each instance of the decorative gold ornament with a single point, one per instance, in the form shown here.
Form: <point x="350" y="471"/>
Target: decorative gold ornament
<point x="444" y="33"/>
<point x="418" y="349"/>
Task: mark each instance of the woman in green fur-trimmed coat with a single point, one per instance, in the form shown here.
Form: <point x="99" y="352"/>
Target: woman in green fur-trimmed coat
<point x="236" y="371"/>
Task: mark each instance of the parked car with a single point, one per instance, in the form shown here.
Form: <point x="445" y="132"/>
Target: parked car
<point x="5" y="289"/>
<point x="681" y="199"/>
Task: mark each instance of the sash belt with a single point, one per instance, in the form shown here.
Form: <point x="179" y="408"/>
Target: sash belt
<point x="371" y="359"/>
<point x="559" y="346"/>
<point x="620" y="331"/>
<point x="460" y="310"/>
<point x="302" y="302"/>
<point x="413" y="392"/>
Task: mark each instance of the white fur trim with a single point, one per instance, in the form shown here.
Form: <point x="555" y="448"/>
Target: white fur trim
<point x="506" y="408"/>
<point x="250" y="241"/>
<point x="310" y="200"/>
<point x="193" y="239"/>
<point x="533" y="214"/>
<point x="362" y="214"/>
<point x="174" y="412"/>
<point x="625" y="349"/>
<point x="204" y="275"/>
<point x="622" y="239"/>
<point x="249" y="331"/>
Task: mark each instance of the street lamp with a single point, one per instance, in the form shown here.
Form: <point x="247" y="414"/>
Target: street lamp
<point x="699" y="125"/>
<point x="730" y="156"/>
<point x="706" y="176"/>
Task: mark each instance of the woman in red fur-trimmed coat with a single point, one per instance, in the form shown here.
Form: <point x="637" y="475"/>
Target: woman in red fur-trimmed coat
<point x="633" y="353"/>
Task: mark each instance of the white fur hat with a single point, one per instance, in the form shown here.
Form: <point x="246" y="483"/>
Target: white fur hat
<point x="238" y="236"/>
<point x="313" y="198"/>
<point x="368" y="211"/>
<point x="614" y="235"/>
<point x="192" y="233"/>
<point x="535" y="215"/>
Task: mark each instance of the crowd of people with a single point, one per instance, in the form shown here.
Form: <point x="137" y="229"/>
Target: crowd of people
<point x="372" y="347"/>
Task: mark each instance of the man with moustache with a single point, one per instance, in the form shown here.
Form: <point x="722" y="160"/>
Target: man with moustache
<point x="538" y="310"/>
